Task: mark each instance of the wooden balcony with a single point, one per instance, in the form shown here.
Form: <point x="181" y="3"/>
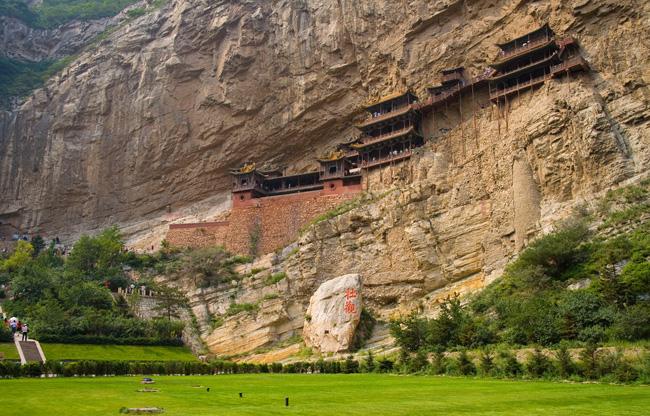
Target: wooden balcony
<point x="571" y="64"/>
<point x="387" y="116"/>
<point x="294" y="189"/>
<point x="369" y="140"/>
<point x="522" y="50"/>
<point x="367" y="164"/>
<point x="577" y="63"/>
<point x="452" y="77"/>
<point x="496" y="94"/>
<point x="523" y="69"/>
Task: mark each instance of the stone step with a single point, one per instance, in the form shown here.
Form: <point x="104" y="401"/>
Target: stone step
<point x="30" y="351"/>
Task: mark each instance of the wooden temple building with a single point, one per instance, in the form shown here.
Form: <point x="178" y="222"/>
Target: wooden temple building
<point x="529" y="60"/>
<point x="392" y="128"/>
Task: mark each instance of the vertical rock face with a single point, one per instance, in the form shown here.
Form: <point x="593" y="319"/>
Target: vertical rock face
<point x="148" y="121"/>
<point x="333" y="314"/>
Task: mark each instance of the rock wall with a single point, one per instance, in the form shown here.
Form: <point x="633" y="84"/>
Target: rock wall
<point x="198" y="235"/>
<point x="151" y="118"/>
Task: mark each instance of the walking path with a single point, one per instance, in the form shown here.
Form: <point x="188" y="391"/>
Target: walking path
<point x="29" y="351"/>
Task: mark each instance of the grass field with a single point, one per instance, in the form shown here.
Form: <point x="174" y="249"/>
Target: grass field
<point x="329" y="395"/>
<point x="9" y="350"/>
<point x="61" y="352"/>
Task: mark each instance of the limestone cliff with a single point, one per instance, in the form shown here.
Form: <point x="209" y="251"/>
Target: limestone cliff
<point x="147" y="124"/>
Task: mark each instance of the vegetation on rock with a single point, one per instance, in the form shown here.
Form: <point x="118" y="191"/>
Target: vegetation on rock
<point x="51" y="13"/>
<point x="69" y="299"/>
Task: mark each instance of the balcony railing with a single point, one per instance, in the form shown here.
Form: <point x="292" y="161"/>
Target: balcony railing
<point x="292" y="189"/>
<point x="376" y="139"/>
<point x="386" y="159"/>
<point x="502" y="92"/>
<point x="387" y="116"/>
<point x="524" y="68"/>
<point x="518" y="50"/>
<point x="576" y="61"/>
<point x="453" y="76"/>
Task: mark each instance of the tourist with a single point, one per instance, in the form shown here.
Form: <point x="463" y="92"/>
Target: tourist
<point x="13" y="326"/>
<point x="25" y="330"/>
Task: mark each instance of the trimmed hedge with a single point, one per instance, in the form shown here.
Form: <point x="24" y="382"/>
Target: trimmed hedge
<point x="12" y="369"/>
<point x="102" y="340"/>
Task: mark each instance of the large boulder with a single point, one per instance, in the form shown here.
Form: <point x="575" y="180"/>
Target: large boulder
<point x="333" y="314"/>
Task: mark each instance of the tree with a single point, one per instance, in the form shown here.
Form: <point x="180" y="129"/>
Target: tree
<point x="38" y="243"/>
<point x="168" y="299"/>
<point x="21" y="256"/>
<point x="98" y="258"/>
<point x="31" y="283"/>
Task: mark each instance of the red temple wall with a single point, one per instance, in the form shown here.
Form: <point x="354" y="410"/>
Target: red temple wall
<point x="269" y="223"/>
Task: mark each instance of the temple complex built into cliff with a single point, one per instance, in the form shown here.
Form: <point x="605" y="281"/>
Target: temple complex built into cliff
<point x="270" y="207"/>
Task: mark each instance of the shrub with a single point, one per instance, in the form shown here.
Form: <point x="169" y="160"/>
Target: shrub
<point x="236" y="308"/>
<point x="136" y="12"/>
<point x="555" y="252"/>
<point x="386" y="365"/>
<point x="368" y="366"/>
<point x="418" y="363"/>
<point x="438" y="362"/>
<point x="5" y="334"/>
<point x="589" y="360"/>
<point x="32" y="370"/>
<point x="350" y="365"/>
<point x="563" y="362"/>
<point x="275" y="278"/>
<point x="486" y="363"/>
<point x="633" y="322"/>
<point x="538" y="364"/>
<point x="510" y="367"/>
<point x="465" y="365"/>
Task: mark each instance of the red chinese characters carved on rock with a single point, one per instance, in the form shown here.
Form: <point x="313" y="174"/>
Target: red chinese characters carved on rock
<point x="349" y="306"/>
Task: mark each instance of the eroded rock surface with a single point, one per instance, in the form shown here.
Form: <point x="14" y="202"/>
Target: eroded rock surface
<point x="333" y="314"/>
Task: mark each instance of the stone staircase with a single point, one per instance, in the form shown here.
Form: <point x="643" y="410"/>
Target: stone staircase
<point x="30" y="351"/>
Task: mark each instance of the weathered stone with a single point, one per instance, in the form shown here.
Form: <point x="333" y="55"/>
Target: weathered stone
<point x="333" y="314"/>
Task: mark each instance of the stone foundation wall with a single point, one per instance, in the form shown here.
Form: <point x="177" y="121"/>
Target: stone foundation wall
<point x="261" y="225"/>
<point x="198" y="235"/>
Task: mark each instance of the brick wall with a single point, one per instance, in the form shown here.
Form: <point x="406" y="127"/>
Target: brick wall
<point x="198" y="235"/>
<point x="268" y="223"/>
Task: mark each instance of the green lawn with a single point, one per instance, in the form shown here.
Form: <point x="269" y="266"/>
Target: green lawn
<point x="62" y="352"/>
<point x="9" y="350"/>
<point x="367" y="395"/>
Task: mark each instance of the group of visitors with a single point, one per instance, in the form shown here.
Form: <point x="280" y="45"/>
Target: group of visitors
<point x="17" y="327"/>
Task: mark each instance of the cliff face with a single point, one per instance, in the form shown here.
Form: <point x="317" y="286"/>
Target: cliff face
<point x="148" y="122"/>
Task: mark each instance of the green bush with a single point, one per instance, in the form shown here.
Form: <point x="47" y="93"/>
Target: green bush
<point x="5" y="334"/>
<point x="236" y="308"/>
<point x="509" y="365"/>
<point x="465" y="365"/>
<point x="538" y="365"/>
<point x="565" y="367"/>
<point x="136" y="12"/>
<point x="275" y="278"/>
